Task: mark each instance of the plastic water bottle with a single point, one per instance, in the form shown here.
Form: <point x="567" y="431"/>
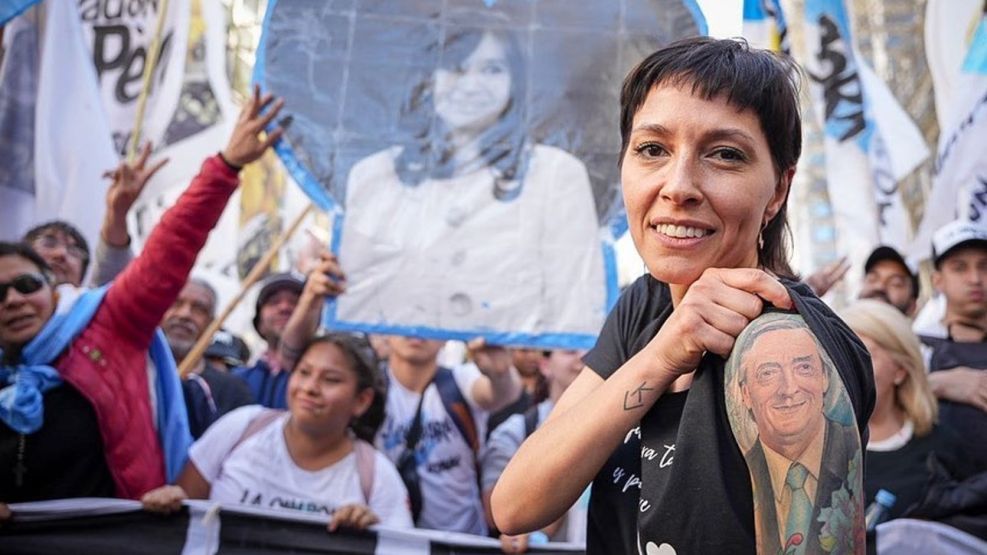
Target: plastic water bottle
<point x="880" y="509"/>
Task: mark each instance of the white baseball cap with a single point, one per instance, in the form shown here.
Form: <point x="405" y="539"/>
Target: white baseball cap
<point x="956" y="234"/>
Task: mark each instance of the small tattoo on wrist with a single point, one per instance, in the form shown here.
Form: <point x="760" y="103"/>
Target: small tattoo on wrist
<point x="635" y="399"/>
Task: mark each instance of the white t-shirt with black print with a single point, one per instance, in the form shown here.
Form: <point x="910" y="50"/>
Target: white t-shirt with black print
<point x="446" y="463"/>
<point x="260" y="472"/>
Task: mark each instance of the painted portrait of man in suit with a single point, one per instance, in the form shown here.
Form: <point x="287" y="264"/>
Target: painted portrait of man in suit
<point x="801" y="450"/>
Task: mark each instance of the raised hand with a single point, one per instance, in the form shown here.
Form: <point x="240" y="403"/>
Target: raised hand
<point x="823" y="279"/>
<point x="492" y="360"/>
<point x="326" y="278"/>
<point x="129" y="180"/>
<point x="245" y="144"/>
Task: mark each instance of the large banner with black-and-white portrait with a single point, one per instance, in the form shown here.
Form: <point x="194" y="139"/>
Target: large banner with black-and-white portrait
<point x="468" y="150"/>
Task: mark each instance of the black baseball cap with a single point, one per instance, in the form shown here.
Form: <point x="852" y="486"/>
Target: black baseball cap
<point x="884" y="252"/>
<point x="229" y="347"/>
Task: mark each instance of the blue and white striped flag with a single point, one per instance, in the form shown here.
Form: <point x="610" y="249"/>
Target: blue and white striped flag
<point x="959" y="184"/>
<point x="870" y="142"/>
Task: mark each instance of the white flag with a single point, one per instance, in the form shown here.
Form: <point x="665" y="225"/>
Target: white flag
<point x="72" y="143"/>
<point x="959" y="185"/>
<point x="60" y="109"/>
<point x="870" y="142"/>
<point x="949" y="28"/>
<point x="119" y="35"/>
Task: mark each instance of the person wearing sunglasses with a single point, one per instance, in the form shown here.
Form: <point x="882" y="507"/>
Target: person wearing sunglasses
<point x="76" y="412"/>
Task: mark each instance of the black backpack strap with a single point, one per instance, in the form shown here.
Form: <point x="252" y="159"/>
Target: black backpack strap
<point x="455" y="404"/>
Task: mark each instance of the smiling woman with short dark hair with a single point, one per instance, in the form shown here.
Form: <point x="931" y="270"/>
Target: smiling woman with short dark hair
<point x="711" y="136"/>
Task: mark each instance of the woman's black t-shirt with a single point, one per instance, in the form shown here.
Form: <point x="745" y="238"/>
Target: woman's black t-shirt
<point x="695" y="496"/>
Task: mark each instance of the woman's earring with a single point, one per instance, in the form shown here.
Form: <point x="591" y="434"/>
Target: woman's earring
<point x="760" y="237"/>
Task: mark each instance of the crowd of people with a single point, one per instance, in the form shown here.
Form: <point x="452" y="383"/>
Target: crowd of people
<point x="725" y="407"/>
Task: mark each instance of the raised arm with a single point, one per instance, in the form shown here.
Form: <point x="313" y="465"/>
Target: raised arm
<point x="113" y="249"/>
<point x="500" y="383"/>
<point x="794" y="422"/>
<point x="324" y="281"/>
<point x="558" y="461"/>
<point x="138" y="299"/>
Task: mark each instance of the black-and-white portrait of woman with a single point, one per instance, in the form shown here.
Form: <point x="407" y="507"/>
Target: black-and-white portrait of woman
<point x="483" y="227"/>
<point x="468" y="154"/>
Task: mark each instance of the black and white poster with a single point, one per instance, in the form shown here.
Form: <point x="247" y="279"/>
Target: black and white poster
<point x="468" y="150"/>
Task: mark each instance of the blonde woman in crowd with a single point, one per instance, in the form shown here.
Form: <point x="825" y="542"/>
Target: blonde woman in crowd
<point x="903" y="430"/>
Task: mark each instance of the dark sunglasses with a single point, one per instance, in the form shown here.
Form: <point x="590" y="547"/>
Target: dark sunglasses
<point x="25" y="284"/>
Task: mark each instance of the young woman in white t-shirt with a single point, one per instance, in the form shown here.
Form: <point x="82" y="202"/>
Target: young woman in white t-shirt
<point x="311" y="458"/>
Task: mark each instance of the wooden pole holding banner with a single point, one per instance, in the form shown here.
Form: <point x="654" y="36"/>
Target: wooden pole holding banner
<point x="150" y="63"/>
<point x="194" y="355"/>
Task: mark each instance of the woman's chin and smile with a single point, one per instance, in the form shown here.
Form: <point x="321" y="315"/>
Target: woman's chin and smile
<point x="309" y="406"/>
<point x="679" y="253"/>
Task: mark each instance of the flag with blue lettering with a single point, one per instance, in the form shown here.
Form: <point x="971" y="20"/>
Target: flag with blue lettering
<point x="959" y="183"/>
<point x="871" y="143"/>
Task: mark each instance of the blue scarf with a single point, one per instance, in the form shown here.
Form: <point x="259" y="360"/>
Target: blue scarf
<point x="24" y="384"/>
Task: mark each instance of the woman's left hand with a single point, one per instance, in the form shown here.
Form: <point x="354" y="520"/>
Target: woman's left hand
<point x="352" y="516"/>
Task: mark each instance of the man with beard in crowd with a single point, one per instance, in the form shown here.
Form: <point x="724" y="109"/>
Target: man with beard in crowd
<point x="209" y="393"/>
<point x="888" y="278"/>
